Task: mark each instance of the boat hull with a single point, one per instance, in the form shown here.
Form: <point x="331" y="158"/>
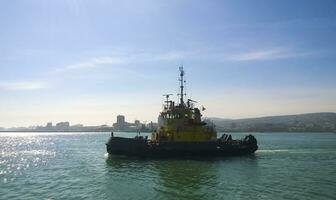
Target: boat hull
<point x="144" y="148"/>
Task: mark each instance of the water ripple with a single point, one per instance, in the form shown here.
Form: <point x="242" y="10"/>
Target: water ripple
<point x="76" y="166"/>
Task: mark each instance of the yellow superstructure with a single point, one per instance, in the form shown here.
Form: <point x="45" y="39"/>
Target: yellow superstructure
<point x="182" y="122"/>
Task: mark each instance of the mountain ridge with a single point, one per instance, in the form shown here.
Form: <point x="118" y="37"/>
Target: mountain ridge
<point x="307" y="122"/>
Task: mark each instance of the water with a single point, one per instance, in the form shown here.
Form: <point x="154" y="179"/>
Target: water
<point x="75" y="166"/>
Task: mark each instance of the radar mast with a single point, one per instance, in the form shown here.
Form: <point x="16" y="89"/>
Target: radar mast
<point x="167" y="99"/>
<point x="181" y="85"/>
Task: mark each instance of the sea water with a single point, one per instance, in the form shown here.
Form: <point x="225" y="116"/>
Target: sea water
<point x="76" y="166"/>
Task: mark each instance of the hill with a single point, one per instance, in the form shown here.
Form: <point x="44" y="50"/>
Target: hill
<point x="311" y="122"/>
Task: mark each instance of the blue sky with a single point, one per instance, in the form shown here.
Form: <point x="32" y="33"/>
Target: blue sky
<point x="87" y="61"/>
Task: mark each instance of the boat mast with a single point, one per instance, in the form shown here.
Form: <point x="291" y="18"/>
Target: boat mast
<point x="167" y="99"/>
<point x="181" y="85"/>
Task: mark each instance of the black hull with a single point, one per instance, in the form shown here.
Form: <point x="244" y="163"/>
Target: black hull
<point x="141" y="147"/>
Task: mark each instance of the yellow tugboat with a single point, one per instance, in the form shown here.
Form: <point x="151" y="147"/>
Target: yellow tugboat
<point x="182" y="132"/>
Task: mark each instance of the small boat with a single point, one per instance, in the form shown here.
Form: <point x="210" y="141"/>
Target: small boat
<point x="182" y="132"/>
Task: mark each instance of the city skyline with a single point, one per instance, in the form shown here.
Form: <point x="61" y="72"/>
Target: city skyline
<point x="120" y="124"/>
<point x="86" y="62"/>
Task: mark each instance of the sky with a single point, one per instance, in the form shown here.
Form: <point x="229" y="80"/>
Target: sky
<point x="87" y="61"/>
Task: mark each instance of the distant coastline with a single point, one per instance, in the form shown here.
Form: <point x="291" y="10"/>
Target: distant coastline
<point x="270" y="132"/>
<point x="101" y="131"/>
<point x="310" y="122"/>
<point x="121" y="125"/>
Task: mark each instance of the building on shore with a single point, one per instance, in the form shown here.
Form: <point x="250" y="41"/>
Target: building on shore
<point x="62" y="126"/>
<point x="123" y="125"/>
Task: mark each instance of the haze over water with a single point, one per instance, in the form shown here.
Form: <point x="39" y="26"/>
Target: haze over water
<point x="75" y="166"/>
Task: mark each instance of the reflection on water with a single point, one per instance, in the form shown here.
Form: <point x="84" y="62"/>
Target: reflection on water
<point x="191" y="178"/>
<point x="18" y="154"/>
<point x="185" y="178"/>
<point x="76" y="166"/>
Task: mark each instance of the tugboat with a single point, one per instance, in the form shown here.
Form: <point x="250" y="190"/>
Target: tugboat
<point x="182" y="132"/>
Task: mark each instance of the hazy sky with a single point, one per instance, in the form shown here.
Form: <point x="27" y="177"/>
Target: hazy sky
<point x="87" y="61"/>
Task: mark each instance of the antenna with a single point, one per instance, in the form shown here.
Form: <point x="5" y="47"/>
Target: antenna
<point x="167" y="98"/>
<point x="190" y="103"/>
<point x="181" y="85"/>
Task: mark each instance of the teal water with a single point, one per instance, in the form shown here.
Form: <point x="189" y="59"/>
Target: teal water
<point x="76" y="166"/>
